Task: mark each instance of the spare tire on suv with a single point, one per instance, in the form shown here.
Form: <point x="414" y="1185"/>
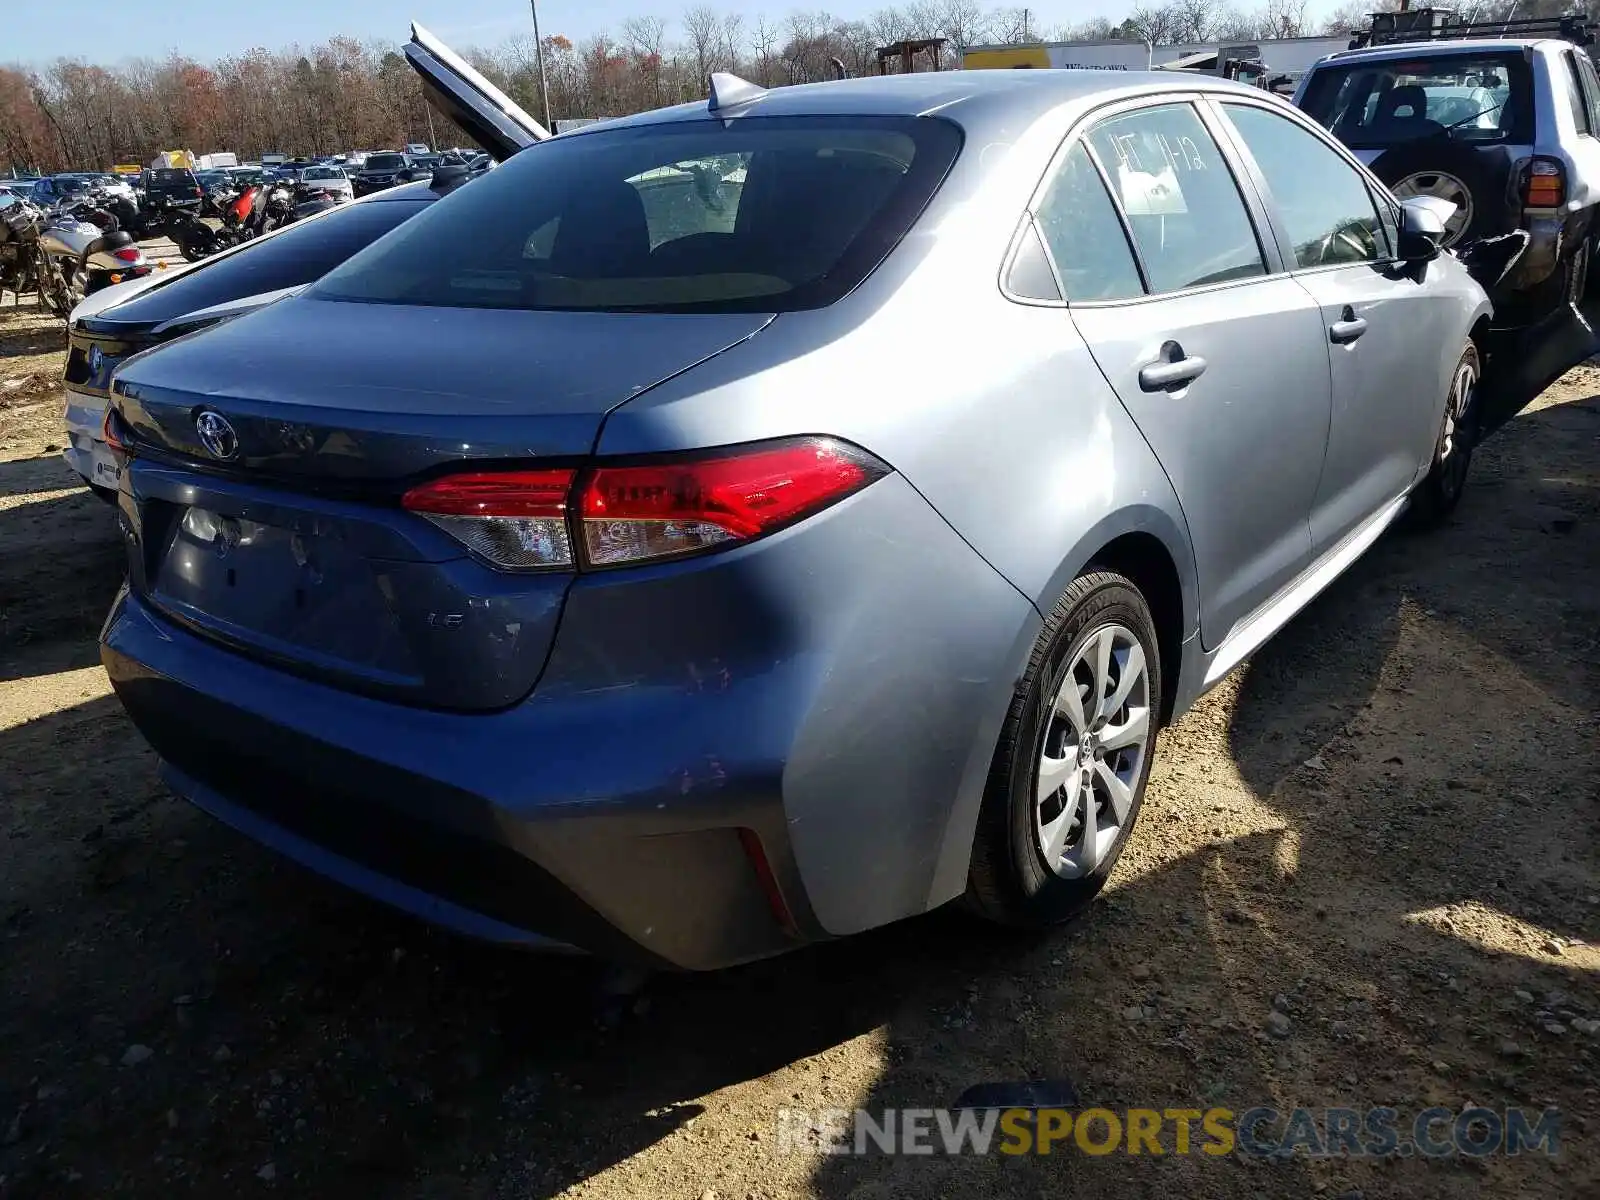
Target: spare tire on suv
<point x="1470" y="177"/>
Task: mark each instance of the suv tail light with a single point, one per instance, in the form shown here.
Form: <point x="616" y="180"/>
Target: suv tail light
<point x="622" y="515"/>
<point x="1546" y="184"/>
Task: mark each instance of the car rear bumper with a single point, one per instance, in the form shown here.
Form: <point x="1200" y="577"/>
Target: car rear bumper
<point x="85" y="452"/>
<point x="725" y="757"/>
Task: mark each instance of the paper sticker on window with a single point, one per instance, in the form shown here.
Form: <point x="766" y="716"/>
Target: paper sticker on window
<point x="1150" y="195"/>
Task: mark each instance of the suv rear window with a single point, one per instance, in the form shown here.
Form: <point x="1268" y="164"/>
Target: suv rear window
<point x="172" y="175"/>
<point x="386" y="162"/>
<point x="1372" y="105"/>
<point x="761" y="215"/>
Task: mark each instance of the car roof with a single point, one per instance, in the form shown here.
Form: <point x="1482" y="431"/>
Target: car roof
<point x="972" y="99"/>
<point x="1453" y="46"/>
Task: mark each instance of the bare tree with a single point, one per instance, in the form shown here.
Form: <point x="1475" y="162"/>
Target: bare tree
<point x="1012" y="26"/>
<point x="1157" y="26"/>
<point x="964" y="22"/>
<point x="1194" y="19"/>
<point x="645" y="37"/>
<point x="764" y="39"/>
<point x="1353" y="14"/>
<point x="733" y="40"/>
<point x="702" y="24"/>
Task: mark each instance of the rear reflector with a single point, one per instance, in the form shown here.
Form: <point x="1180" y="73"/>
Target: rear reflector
<point x="525" y="520"/>
<point x="1546" y="184"/>
<point x="517" y="520"/>
<point x="664" y="510"/>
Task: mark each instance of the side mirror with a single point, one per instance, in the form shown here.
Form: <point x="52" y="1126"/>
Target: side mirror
<point x="1422" y="221"/>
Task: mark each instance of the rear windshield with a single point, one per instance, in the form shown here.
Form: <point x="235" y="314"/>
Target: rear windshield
<point x="386" y="162"/>
<point x="1466" y="97"/>
<point x="173" y="175"/>
<point x="298" y="255"/>
<point x="759" y="215"/>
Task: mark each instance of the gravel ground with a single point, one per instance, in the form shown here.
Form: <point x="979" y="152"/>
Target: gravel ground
<point x="1367" y="873"/>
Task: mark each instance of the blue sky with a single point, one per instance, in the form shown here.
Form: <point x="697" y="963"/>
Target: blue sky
<point x="112" y="30"/>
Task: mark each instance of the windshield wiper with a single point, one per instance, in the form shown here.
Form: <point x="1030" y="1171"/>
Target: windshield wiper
<point x="1474" y="116"/>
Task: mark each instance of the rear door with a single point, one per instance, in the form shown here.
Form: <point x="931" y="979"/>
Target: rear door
<point x="1216" y="355"/>
<point x="495" y="121"/>
<point x="1382" y="325"/>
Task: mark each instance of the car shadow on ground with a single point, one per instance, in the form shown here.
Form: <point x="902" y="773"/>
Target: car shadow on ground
<point x="362" y="1053"/>
<point x="31" y="337"/>
<point x="1522" y="364"/>
<point x="61" y="562"/>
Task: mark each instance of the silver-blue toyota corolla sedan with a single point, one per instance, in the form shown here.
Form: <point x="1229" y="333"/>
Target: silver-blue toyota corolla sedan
<point x="760" y="520"/>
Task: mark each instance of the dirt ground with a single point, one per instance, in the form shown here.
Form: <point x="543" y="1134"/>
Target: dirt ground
<point x="1386" y="824"/>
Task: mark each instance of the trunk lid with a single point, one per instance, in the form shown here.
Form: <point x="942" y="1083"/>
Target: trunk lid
<point x="456" y="89"/>
<point x="280" y="533"/>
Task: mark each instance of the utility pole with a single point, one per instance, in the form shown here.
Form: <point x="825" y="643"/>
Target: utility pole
<point x="1025" y="25"/>
<point x="538" y="55"/>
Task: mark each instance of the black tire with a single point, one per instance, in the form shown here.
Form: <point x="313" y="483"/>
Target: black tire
<point x="1578" y="273"/>
<point x="1472" y="167"/>
<point x="1009" y="880"/>
<point x="1436" y="497"/>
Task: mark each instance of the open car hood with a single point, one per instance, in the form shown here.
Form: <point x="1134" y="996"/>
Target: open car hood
<point x="493" y="119"/>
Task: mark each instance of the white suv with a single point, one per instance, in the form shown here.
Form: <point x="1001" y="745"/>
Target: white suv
<point x="1506" y="129"/>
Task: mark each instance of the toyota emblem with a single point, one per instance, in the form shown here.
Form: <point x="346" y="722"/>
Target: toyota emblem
<point x="216" y="435"/>
<point x="97" y="359"/>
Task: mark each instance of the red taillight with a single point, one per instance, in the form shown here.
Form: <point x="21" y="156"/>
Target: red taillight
<point x="108" y="431"/>
<point x="1546" y="185"/>
<point x="520" y="520"/>
<point x="515" y="519"/>
<point x="661" y="510"/>
<point x="127" y="254"/>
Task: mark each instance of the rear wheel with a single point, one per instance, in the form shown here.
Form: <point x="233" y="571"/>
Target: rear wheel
<point x="58" y="285"/>
<point x="1068" y="777"/>
<point x="1440" y="491"/>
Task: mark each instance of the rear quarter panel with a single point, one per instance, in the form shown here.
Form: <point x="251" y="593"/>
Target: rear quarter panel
<point x="992" y="410"/>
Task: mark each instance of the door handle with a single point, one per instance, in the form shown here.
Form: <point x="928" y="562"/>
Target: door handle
<point x="1347" y="328"/>
<point x="1171" y="372"/>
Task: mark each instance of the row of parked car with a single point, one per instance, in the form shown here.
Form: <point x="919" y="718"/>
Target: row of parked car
<point x="559" y="553"/>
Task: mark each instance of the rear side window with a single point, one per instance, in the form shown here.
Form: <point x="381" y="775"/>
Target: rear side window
<point x="1085" y="235"/>
<point x="1188" y="219"/>
<point x="1322" y="199"/>
<point x="300" y="254"/>
<point x="1574" y="89"/>
<point x="760" y="215"/>
<point x="1591" y="90"/>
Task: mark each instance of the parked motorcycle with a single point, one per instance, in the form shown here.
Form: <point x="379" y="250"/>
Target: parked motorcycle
<point x="81" y="249"/>
<point x="196" y="239"/>
<point x="315" y="200"/>
<point x="20" y="222"/>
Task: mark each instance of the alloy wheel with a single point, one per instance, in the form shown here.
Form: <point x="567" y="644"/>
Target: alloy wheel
<point x="1097" y="733"/>
<point x="1458" y="412"/>
<point x="1444" y="186"/>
